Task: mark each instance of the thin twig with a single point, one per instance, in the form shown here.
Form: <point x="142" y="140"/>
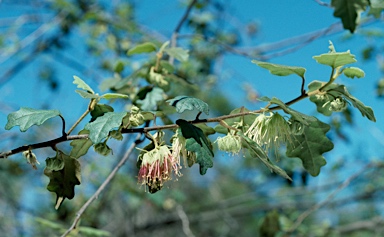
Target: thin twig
<point x="342" y="186"/>
<point x="178" y="27"/>
<point x="35" y="35"/>
<point x="102" y="186"/>
<point x="184" y="221"/>
<point x="321" y="3"/>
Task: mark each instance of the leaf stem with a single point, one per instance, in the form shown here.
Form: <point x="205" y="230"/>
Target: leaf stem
<point x="91" y="106"/>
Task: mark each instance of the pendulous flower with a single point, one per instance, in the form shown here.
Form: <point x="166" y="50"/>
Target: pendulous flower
<point x="230" y="143"/>
<point x="158" y="166"/>
<point x="270" y="131"/>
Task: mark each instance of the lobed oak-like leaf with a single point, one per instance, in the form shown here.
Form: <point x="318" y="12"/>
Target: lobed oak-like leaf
<point x="197" y="142"/>
<point x="99" y="129"/>
<point x="204" y="154"/>
<point x="281" y="70"/>
<point x="183" y="103"/>
<point x="62" y="178"/>
<point x="349" y="12"/>
<point x="82" y="85"/>
<point x="335" y="59"/>
<point x="27" y="117"/>
<point x="310" y="145"/>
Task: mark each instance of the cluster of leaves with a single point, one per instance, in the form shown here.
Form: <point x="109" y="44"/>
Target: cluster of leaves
<point x="349" y="11"/>
<point x="254" y="133"/>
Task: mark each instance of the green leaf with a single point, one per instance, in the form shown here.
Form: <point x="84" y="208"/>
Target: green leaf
<point x="333" y="91"/>
<point x="302" y="118"/>
<point x="63" y="181"/>
<point x="204" y="154"/>
<point x="237" y="121"/>
<point x="178" y="53"/>
<point x="116" y="134"/>
<point x="27" y="117"/>
<point x="349" y="12"/>
<point x="310" y="145"/>
<point x="190" y="131"/>
<point x="142" y="48"/>
<point x="270" y="225"/>
<point x="119" y="67"/>
<point x="183" y="103"/>
<point x="281" y="70"/>
<point x="207" y="130"/>
<point x="99" y="110"/>
<point x="365" y="111"/>
<point x="197" y="142"/>
<point x="102" y="148"/>
<point x="335" y="59"/>
<point x="165" y="65"/>
<point x="109" y="96"/>
<point x="82" y="85"/>
<point x="258" y="151"/>
<point x="164" y="46"/>
<point x="99" y="129"/>
<point x="55" y="163"/>
<point x="151" y="99"/>
<point x="377" y="3"/>
<point x="322" y="102"/>
<point x="87" y="95"/>
<point x="353" y="72"/>
<point x="375" y="12"/>
<point x="80" y="147"/>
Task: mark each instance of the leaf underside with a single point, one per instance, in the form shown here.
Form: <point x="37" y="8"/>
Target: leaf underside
<point x="27" y="117"/>
<point x="183" y="103"/>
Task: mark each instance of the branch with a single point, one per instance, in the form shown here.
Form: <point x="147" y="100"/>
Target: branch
<point x="143" y="130"/>
<point x="102" y="186"/>
<point x="315" y="207"/>
<point x="321" y="3"/>
<point x="178" y="27"/>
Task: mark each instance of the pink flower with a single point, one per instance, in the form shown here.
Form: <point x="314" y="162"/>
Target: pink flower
<point x="157" y="167"/>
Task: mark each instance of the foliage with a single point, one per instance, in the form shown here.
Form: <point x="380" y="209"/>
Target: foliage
<point x="152" y="79"/>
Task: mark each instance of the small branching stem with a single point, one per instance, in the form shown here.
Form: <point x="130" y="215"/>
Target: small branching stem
<point x="143" y="130"/>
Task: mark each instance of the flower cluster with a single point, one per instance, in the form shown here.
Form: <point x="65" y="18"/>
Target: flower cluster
<point x="231" y="143"/>
<point x="157" y="166"/>
<point x="270" y="131"/>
